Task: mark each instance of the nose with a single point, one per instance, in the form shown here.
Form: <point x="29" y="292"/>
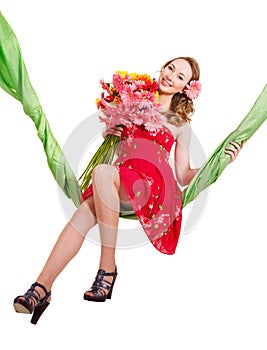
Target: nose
<point x="170" y="75"/>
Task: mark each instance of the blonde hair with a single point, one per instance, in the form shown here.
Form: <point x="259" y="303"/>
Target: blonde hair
<point x="182" y="106"/>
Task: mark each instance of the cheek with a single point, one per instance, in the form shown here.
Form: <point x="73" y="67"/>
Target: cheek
<point x="179" y="86"/>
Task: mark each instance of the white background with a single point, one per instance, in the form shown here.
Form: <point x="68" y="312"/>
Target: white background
<point x="212" y="293"/>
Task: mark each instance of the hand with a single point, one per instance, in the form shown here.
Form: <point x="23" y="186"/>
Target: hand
<point x="234" y="150"/>
<point x="115" y="130"/>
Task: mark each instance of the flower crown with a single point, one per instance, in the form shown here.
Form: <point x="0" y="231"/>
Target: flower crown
<point x="193" y="89"/>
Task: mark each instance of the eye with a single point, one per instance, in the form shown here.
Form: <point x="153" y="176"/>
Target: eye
<point x="170" y="68"/>
<point x="180" y="77"/>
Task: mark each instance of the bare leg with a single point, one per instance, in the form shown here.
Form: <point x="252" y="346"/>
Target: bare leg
<point x="106" y="184"/>
<point x="107" y="192"/>
<point x="104" y="205"/>
<point x="68" y="243"/>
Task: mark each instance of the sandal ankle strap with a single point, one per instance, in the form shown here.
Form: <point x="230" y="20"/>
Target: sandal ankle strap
<point x="102" y="272"/>
<point x="33" y="293"/>
<point x="37" y="284"/>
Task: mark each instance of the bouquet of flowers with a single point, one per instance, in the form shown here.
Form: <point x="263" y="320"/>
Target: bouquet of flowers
<point x="130" y="98"/>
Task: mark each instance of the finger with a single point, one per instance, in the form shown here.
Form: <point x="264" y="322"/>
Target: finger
<point x="111" y="132"/>
<point x="230" y="153"/>
<point x="231" y="149"/>
<point x="116" y="132"/>
<point x="118" y="128"/>
<point x="236" y="145"/>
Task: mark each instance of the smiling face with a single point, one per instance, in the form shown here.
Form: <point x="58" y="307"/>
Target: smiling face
<point x="174" y="77"/>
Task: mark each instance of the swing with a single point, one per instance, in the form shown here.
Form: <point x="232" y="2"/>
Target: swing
<point x="15" y="81"/>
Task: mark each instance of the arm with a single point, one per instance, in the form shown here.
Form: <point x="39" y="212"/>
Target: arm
<point x="184" y="173"/>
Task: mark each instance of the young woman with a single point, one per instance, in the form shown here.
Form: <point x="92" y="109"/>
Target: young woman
<point x="142" y="180"/>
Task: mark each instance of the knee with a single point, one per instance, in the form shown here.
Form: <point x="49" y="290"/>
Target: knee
<point x="84" y="218"/>
<point x="105" y="174"/>
<point x="100" y="170"/>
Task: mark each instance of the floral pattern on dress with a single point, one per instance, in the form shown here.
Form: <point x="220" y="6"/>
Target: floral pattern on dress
<point x="148" y="179"/>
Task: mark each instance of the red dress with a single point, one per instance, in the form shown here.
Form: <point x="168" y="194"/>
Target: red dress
<point x="149" y="182"/>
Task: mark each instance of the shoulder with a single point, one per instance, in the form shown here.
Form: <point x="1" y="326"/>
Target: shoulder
<point x="183" y="131"/>
<point x="178" y="131"/>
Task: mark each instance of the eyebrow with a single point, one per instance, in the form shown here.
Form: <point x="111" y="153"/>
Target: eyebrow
<point x="175" y="69"/>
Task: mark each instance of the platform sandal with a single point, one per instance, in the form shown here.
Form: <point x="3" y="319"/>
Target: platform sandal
<point x="31" y="302"/>
<point x="101" y="289"/>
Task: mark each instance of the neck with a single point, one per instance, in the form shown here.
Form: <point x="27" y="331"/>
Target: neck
<point x="165" y="100"/>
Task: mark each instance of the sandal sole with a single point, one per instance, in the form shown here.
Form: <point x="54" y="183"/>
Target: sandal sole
<point x="21" y="309"/>
<point x="94" y="299"/>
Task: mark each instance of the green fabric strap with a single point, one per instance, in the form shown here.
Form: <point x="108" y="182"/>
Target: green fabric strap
<point x="218" y="161"/>
<point x="15" y="81"/>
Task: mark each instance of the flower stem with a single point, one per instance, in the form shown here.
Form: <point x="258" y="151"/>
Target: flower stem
<point x="104" y="155"/>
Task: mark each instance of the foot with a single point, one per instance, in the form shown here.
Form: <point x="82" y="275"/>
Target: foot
<point x="27" y="303"/>
<point x="102" y="286"/>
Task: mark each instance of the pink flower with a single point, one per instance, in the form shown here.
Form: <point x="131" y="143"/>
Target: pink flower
<point x="131" y="99"/>
<point x="107" y="121"/>
<point x="119" y="81"/>
<point x="155" y="121"/>
<point x="148" y="95"/>
<point x="104" y="85"/>
<point x="193" y="89"/>
<point x="130" y="94"/>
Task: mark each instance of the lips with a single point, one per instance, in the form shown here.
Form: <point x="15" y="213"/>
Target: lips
<point x="165" y="82"/>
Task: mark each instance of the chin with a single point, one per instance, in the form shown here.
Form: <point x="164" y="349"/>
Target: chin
<point x="165" y="90"/>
